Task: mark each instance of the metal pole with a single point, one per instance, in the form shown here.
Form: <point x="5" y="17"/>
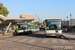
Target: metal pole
<point x="70" y="19"/>
<point x="36" y="17"/>
<point x="70" y="16"/>
<point x="38" y="20"/>
<point x="67" y="21"/>
<point x="67" y="18"/>
<point x="7" y="28"/>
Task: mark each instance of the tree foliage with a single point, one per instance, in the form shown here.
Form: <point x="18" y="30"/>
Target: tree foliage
<point x="36" y="23"/>
<point x="3" y="10"/>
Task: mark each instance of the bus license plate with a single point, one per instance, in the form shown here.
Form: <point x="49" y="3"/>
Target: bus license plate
<point x="52" y="35"/>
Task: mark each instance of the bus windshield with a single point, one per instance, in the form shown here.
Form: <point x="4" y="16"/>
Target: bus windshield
<point x="30" y="26"/>
<point x="36" y="27"/>
<point x="22" y="27"/>
<point x="53" y="25"/>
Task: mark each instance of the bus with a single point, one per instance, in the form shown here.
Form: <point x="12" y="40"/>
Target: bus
<point x="37" y="28"/>
<point x="21" y="28"/>
<point x="24" y="28"/>
<point x="53" y="27"/>
<point x="30" y="28"/>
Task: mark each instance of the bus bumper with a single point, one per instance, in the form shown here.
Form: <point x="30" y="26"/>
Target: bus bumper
<point x="53" y="34"/>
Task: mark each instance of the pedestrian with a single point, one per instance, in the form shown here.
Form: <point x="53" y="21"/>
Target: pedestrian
<point x="13" y="27"/>
<point x="66" y="30"/>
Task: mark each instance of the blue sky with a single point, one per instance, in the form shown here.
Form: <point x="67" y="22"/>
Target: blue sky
<point x="42" y="8"/>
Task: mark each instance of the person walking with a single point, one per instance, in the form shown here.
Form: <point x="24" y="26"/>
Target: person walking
<point x="66" y="30"/>
<point x="13" y="27"/>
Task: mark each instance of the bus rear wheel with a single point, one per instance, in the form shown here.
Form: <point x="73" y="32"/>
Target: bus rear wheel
<point x="58" y="36"/>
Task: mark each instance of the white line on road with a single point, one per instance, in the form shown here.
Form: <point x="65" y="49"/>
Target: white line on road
<point x="2" y="40"/>
<point x="54" y="41"/>
<point x="12" y="40"/>
<point x="64" y="47"/>
<point x="32" y="40"/>
<point x="45" y="41"/>
<point x="63" y="41"/>
<point x="23" y="40"/>
<point x="73" y="43"/>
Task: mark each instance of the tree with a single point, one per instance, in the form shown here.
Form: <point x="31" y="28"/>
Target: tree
<point x="3" y="10"/>
<point x="36" y="23"/>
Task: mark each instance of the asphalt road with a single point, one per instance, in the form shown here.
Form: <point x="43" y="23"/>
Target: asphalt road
<point x="36" y="41"/>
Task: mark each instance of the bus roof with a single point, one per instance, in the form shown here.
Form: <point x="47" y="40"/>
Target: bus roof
<point x="36" y="25"/>
<point x="25" y="23"/>
<point x="53" y="19"/>
<point x="30" y="24"/>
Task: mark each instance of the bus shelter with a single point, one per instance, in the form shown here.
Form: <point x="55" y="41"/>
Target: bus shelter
<point x="10" y="24"/>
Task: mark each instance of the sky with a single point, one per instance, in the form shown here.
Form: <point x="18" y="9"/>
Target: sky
<point x="42" y="8"/>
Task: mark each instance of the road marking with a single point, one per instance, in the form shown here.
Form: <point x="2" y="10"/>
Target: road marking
<point x="73" y="43"/>
<point x="64" y="47"/>
<point x="32" y="40"/>
<point x="54" y="41"/>
<point x="12" y="40"/>
<point x="45" y="41"/>
<point x="63" y="41"/>
<point x="2" y="40"/>
<point x="23" y="40"/>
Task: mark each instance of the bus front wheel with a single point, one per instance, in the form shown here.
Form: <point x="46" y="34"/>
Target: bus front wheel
<point x="59" y="36"/>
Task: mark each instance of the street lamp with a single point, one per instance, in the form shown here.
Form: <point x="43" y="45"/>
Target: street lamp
<point x="70" y="19"/>
<point x="67" y="18"/>
<point x="70" y="16"/>
<point x="36" y="17"/>
<point x="67" y="21"/>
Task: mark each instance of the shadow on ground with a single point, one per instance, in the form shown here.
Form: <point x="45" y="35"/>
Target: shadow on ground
<point x="34" y="35"/>
<point x="39" y="35"/>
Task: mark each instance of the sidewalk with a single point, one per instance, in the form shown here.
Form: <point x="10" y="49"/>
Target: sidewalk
<point x="5" y="36"/>
<point x="70" y="36"/>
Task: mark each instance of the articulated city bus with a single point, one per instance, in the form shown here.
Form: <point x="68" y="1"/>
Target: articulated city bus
<point x="33" y="28"/>
<point x="53" y="27"/>
<point x="26" y="28"/>
<point x="30" y="28"/>
<point x="21" y="28"/>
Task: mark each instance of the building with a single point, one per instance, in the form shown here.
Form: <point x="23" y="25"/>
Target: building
<point x="71" y="22"/>
<point x="27" y="16"/>
<point x="65" y="23"/>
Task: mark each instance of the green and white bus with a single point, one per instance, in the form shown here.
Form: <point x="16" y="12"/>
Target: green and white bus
<point x="37" y="28"/>
<point x="25" y="28"/>
<point x="53" y="27"/>
<point x="30" y="28"/>
<point x="21" y="28"/>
